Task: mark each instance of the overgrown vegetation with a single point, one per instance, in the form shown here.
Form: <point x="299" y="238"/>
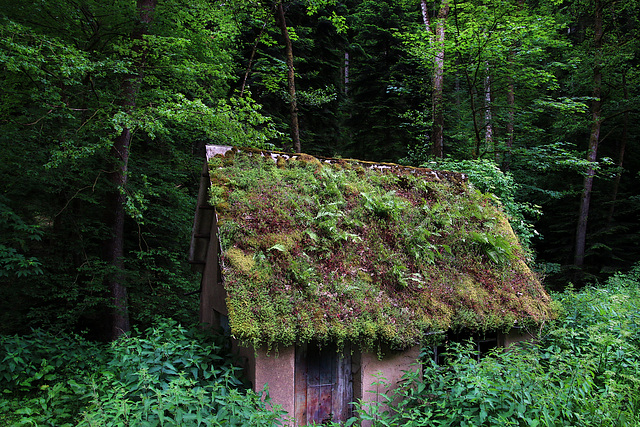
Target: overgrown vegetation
<point x="352" y="251"/>
<point x="167" y="376"/>
<point x="583" y="371"/>
<point x="487" y="177"/>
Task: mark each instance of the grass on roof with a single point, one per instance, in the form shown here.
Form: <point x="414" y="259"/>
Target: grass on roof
<point x="344" y="252"/>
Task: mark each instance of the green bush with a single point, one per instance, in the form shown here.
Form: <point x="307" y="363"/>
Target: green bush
<point x="167" y="376"/>
<point x="30" y="362"/>
<point x="584" y="371"/>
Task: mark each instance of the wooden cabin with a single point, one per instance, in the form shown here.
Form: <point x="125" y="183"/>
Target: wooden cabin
<point x="330" y="274"/>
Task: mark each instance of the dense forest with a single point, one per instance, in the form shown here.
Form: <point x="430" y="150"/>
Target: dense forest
<point x="105" y="109"/>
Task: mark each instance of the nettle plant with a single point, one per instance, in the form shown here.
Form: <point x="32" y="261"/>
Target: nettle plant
<point x="319" y="249"/>
<point x="168" y="375"/>
<point x="584" y="370"/>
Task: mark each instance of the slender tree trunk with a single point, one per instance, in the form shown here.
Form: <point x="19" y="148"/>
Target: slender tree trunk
<point x="118" y="177"/>
<point x="426" y="20"/>
<point x="346" y="72"/>
<point x="437" y="132"/>
<point x="488" y="118"/>
<point x="471" y="90"/>
<point x="250" y="64"/>
<point x="621" y="148"/>
<point x="477" y="151"/>
<point x="425" y="14"/>
<point x="291" y="77"/>
<point x="511" y="102"/>
<point x="594" y="139"/>
<point x="115" y="245"/>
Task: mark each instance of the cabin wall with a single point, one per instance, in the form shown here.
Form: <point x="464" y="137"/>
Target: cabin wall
<point x="278" y="369"/>
<point x="275" y="367"/>
<point x="212" y="293"/>
<point x="389" y="369"/>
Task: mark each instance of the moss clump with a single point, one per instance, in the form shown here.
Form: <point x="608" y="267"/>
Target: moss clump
<point x="237" y="259"/>
<point x="309" y="160"/>
<point x="365" y="254"/>
<point x="222" y="207"/>
<point x="283" y="241"/>
<point x="471" y="293"/>
<point x="217" y="195"/>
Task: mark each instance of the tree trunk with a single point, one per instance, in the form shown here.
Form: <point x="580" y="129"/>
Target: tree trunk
<point x="488" y="118"/>
<point x="437" y="132"/>
<point x="291" y="77"/>
<point x="118" y="177"/>
<point x="346" y="72"/>
<point x="251" y="58"/>
<point x="115" y="245"/>
<point x="594" y="139"/>
<point x="426" y="21"/>
<point x="477" y="149"/>
<point x="622" y="146"/>
<point x="425" y="14"/>
<point x="511" y="102"/>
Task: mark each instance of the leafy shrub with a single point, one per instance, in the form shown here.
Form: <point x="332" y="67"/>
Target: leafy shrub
<point x="168" y="376"/>
<point x="33" y="361"/>
<point x="15" y="233"/>
<point x="488" y="178"/>
<point x="585" y="371"/>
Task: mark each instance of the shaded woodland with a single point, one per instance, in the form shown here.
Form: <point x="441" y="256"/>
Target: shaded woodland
<point x="106" y="108"/>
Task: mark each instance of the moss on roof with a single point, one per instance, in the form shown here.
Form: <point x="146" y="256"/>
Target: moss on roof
<point x="348" y="251"/>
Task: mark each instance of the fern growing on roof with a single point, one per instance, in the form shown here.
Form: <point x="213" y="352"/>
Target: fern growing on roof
<point x="341" y="250"/>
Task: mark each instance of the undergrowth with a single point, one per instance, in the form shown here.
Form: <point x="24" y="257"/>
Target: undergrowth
<point x="167" y="376"/>
<point x="583" y="371"/>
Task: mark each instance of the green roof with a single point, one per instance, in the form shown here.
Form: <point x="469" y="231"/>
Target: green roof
<point x="343" y="250"/>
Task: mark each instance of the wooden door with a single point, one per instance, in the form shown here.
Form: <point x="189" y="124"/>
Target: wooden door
<point x="323" y="384"/>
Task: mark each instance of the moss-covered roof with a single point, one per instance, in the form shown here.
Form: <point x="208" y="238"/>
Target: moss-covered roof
<point x="320" y="249"/>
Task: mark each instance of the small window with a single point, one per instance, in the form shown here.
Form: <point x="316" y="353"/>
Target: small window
<point x="482" y="344"/>
<point x="224" y="324"/>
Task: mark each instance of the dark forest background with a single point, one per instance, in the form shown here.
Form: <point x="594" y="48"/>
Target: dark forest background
<point x="106" y="107"/>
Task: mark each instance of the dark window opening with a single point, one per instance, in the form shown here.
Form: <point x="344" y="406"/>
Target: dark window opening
<point x="482" y="344"/>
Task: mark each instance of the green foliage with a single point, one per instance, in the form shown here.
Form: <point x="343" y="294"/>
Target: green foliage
<point x="496" y="247"/>
<point x="169" y="376"/>
<point x="32" y="362"/>
<point x="237" y="121"/>
<point x="386" y="206"/>
<point x="583" y="371"/>
<point x="15" y="235"/>
<point x="61" y="108"/>
<point x="488" y="178"/>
